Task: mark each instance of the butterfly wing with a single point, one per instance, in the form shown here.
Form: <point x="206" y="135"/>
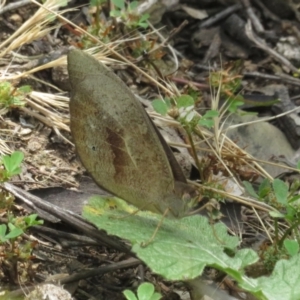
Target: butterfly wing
<point x="115" y="139"/>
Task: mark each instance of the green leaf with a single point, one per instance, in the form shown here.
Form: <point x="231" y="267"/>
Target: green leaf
<point x="11" y="226"/>
<point x="291" y="213"/>
<point x="3" y="229"/>
<point x="146" y="291"/>
<point x="178" y="251"/>
<point x="115" y="13"/>
<point x="206" y="123"/>
<point x="207" y="119"/>
<point x="293" y="199"/>
<point x="234" y="105"/>
<point x="144" y="18"/>
<point x="143" y="25"/>
<point x="298" y="165"/>
<point x="169" y="102"/>
<point x="94" y="2"/>
<point x="182" y="248"/>
<point x="246" y="256"/>
<point x="129" y="295"/>
<point x="31" y="220"/>
<point x="156" y="296"/>
<point x="276" y="214"/>
<point x="185" y="101"/>
<point x="160" y="106"/>
<point x="12" y="162"/>
<point x="284" y="280"/>
<point x="119" y="3"/>
<point x="25" y="89"/>
<point x="291" y="246"/>
<point x="211" y="114"/>
<point x="97" y="2"/>
<point x="250" y="190"/>
<point x="50" y="17"/>
<point x="133" y="5"/>
<point x="17" y="157"/>
<point x="14" y="233"/>
<point x="5" y="87"/>
<point x="264" y="188"/>
<point x="281" y="191"/>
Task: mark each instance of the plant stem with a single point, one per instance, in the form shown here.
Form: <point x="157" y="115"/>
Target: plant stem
<point x="194" y="152"/>
<point x="97" y="21"/>
<point x="276" y="235"/>
<point x="288" y="231"/>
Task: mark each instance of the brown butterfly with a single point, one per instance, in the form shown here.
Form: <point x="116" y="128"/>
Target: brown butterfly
<point x="118" y="143"/>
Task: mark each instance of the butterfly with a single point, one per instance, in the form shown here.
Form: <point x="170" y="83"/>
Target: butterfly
<point x="118" y="143"/>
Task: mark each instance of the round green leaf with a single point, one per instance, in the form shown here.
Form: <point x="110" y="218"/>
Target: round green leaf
<point x="185" y="101"/>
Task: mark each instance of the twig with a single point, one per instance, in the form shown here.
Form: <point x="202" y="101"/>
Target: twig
<point x="267" y="12"/>
<point x="262" y="44"/>
<point x="14" y="5"/>
<point x="131" y="262"/>
<point x="64" y="235"/>
<point x="256" y="23"/>
<point x="67" y="216"/>
<point x="263" y="119"/>
<point x="261" y="75"/>
<point x="217" y="17"/>
<point x="280" y="77"/>
<point x="289" y="79"/>
<point x="175" y="31"/>
<point x="194" y="83"/>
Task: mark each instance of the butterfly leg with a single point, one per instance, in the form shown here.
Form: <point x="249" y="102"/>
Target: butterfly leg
<point x="145" y="244"/>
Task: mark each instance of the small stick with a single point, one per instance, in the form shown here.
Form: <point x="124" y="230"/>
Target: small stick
<point x="222" y="15"/>
<point x="13" y="6"/>
<point x="255" y="21"/>
<point x="262" y="45"/>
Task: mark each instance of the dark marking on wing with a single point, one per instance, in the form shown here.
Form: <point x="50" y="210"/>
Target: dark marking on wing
<point x="118" y="147"/>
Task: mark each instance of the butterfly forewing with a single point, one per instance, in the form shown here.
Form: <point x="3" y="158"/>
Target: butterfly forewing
<point x="114" y="138"/>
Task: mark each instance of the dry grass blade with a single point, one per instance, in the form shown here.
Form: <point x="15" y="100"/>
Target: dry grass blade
<point x="111" y="50"/>
<point x="241" y="199"/>
<point x="4" y="149"/>
<point x="33" y="28"/>
<point x="2" y="3"/>
<point x="45" y="108"/>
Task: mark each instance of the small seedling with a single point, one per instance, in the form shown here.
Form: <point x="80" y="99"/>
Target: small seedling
<point x="106" y="29"/>
<point x="145" y="291"/>
<point x="13" y="248"/>
<point x="292" y="247"/>
<point x="12" y="164"/>
<point x="11" y="97"/>
<point x="284" y="198"/>
<point x="128" y="15"/>
<point x="227" y="82"/>
<point x="12" y="234"/>
<point x="183" y="109"/>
